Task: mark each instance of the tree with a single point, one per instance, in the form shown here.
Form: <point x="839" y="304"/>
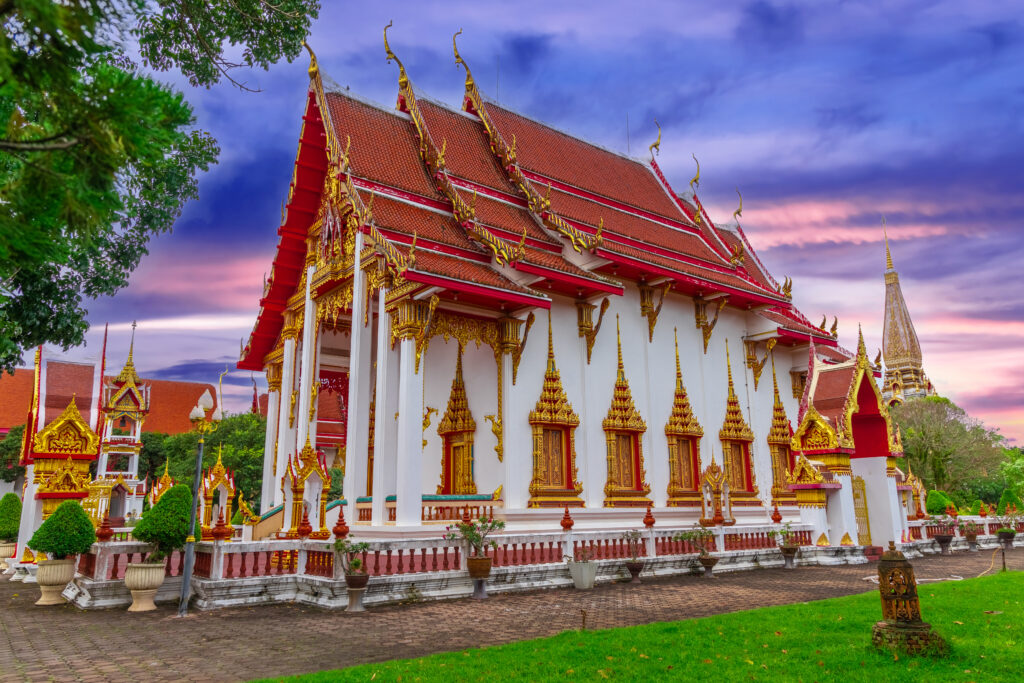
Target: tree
<point x="165" y="525"/>
<point x="10" y="454"/>
<point x="1012" y="470"/>
<point x="239" y="438"/>
<point x="97" y="157"/>
<point x="949" y="449"/>
<point x="68" y="531"/>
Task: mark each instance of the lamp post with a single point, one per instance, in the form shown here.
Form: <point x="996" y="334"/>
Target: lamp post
<point x="199" y="423"/>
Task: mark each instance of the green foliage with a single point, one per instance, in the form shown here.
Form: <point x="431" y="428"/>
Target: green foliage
<point x="349" y="553"/>
<point x="336" y="492"/>
<point x="1012" y="470"/>
<point x="10" y="454"/>
<point x="10" y="517"/>
<point x="950" y="450"/>
<point x="975" y="508"/>
<point x="97" y="157"/>
<point x="475" y="533"/>
<point x="826" y="640"/>
<point x="241" y="437"/>
<point x="165" y="525"/>
<point x="237" y="519"/>
<point x="68" y="531"/>
<point x="936" y="502"/>
<point x="699" y="537"/>
<point x="1009" y="497"/>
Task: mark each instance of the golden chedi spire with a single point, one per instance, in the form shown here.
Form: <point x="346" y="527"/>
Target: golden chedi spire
<point x="457" y="417"/>
<point x="734" y="428"/>
<point x="780" y="431"/>
<point x="682" y="421"/>
<point x="622" y="415"/>
<point x="553" y="406"/>
<point x="901" y="349"/>
<point x="128" y="373"/>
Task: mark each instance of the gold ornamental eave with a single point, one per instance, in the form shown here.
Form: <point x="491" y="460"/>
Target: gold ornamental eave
<point x="68" y="435"/>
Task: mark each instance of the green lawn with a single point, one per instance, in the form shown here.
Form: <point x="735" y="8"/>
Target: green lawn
<point x="983" y="619"/>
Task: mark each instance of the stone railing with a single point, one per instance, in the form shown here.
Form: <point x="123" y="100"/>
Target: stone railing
<point x="108" y="561"/>
<point x="437" y="509"/>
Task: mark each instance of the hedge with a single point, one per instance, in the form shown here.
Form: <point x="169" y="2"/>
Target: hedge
<point x="10" y="517"/>
<point x="936" y="502"/>
<point x="165" y="525"/>
<point x="68" y="531"/>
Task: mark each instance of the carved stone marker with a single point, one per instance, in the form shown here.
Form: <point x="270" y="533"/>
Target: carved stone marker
<point x="902" y="628"/>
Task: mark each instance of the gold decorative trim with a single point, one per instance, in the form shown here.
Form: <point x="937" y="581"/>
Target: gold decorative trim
<point x="648" y="309"/>
<point x="757" y="366"/>
<point x="456" y="430"/>
<point x="69" y="434"/>
<point x="683" y="432"/>
<point x="585" y="324"/>
<point x="701" y="315"/>
<point x="735" y="427"/>
<point x="624" y="417"/>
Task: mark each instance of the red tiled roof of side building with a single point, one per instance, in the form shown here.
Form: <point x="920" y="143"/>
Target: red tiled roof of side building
<point x="65" y="380"/>
<point x="171" y="402"/>
<point x="383" y="145"/>
<point x="506" y="217"/>
<point x="15" y="397"/>
<point x="560" y="156"/>
<point x="468" y="153"/>
<point x="634" y="227"/>
<point x="790" y="321"/>
<point x="750" y="263"/>
<point x="830" y="389"/>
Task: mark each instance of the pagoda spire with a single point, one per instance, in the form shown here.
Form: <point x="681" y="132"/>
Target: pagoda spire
<point x="128" y="373"/>
<point x="900" y="346"/>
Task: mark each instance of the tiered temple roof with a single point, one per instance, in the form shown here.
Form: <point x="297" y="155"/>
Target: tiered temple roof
<point x="502" y="211"/>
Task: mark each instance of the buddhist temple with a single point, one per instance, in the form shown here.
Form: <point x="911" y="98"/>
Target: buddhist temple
<point x="422" y="246"/>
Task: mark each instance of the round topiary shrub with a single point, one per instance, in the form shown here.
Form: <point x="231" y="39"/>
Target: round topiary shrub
<point x="976" y="507"/>
<point x="10" y="517"/>
<point x="1008" y="497"/>
<point x="237" y="519"/>
<point x="165" y="525"/>
<point x="68" y="531"/>
<point x="936" y="502"/>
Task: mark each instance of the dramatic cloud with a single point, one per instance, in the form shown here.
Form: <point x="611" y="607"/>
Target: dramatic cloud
<point x="825" y="115"/>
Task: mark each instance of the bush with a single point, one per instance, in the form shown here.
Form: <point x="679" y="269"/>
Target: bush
<point x="237" y="519"/>
<point x="1008" y="497"/>
<point x="976" y="507"/>
<point x="10" y="517"/>
<point x="936" y="502"/>
<point x="165" y="525"/>
<point x="68" y="531"/>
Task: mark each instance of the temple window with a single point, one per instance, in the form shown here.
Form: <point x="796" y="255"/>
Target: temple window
<point x="456" y="430"/>
<point x="737" y="466"/>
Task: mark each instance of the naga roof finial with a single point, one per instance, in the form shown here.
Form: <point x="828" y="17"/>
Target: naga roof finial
<point x="695" y="181"/>
<point x="656" y="145"/>
<point x="403" y="78"/>
<point x="739" y="210"/>
<point x="314" y="68"/>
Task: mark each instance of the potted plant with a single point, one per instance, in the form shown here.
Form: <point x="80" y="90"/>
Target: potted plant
<point x="789" y="544"/>
<point x="165" y="526"/>
<point x="1007" y="530"/>
<point x="66" y="533"/>
<point x="702" y="539"/>
<point x="475" y="535"/>
<point x="947" y="527"/>
<point x="634" y="565"/>
<point x="10" y="519"/>
<point x="582" y="569"/>
<point x="356" y="578"/>
<point x="970" y="530"/>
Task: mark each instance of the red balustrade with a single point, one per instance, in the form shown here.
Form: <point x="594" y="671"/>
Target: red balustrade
<point x="756" y="540"/>
<point x="204" y="564"/>
<point x="320" y="563"/>
<point x="411" y="560"/>
<point x="519" y="554"/>
<point x="87" y="564"/>
<point x="915" y="533"/>
<point x="607" y="549"/>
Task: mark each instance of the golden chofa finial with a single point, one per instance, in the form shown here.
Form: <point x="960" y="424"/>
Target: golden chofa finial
<point x="314" y="68"/>
<point x="739" y="210"/>
<point x="403" y="78"/>
<point x="656" y="145"/>
<point x="885" y="236"/>
<point x="695" y="181"/>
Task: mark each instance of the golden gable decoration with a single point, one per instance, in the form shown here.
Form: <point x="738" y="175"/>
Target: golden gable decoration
<point x="456" y="430"/>
<point x="804" y="473"/>
<point x="457" y="416"/>
<point x="864" y="372"/>
<point x="69" y="434"/>
<point x="623" y="428"/>
<point x="814" y="433"/>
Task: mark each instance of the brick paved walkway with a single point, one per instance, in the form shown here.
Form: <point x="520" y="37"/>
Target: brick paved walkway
<point x="63" y="643"/>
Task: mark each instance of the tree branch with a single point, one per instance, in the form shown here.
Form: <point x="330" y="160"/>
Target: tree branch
<point x="38" y="145"/>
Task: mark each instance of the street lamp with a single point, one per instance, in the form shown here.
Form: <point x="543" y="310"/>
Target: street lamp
<point x="199" y="424"/>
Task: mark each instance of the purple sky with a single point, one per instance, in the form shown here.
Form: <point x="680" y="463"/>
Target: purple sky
<point x="825" y="115"/>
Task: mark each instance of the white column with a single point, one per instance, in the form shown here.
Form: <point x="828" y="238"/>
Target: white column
<point x="656" y="463"/>
<point x="101" y="463"/>
<point x="409" y="446"/>
<point x="357" y="431"/>
<point x="31" y="514"/>
<point x="384" y="418"/>
<point x="285" y="444"/>
<point x="517" y="437"/>
<point x="306" y="377"/>
<point x="269" y="442"/>
<point x="842" y="517"/>
<point x="591" y="459"/>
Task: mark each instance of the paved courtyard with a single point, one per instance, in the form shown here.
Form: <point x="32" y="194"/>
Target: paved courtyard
<point x="65" y="644"/>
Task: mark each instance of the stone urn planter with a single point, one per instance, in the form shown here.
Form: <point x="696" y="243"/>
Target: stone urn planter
<point x="789" y="555"/>
<point x="944" y="541"/>
<point x="143" y="580"/>
<point x="356" y="584"/>
<point x="479" y="569"/>
<point x="53" y="576"/>
<point x="1006" y="538"/>
<point x="972" y="542"/>
<point x="634" y="568"/>
<point x="6" y="550"/>
<point x="583" y="574"/>
<point x="708" y="563"/>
